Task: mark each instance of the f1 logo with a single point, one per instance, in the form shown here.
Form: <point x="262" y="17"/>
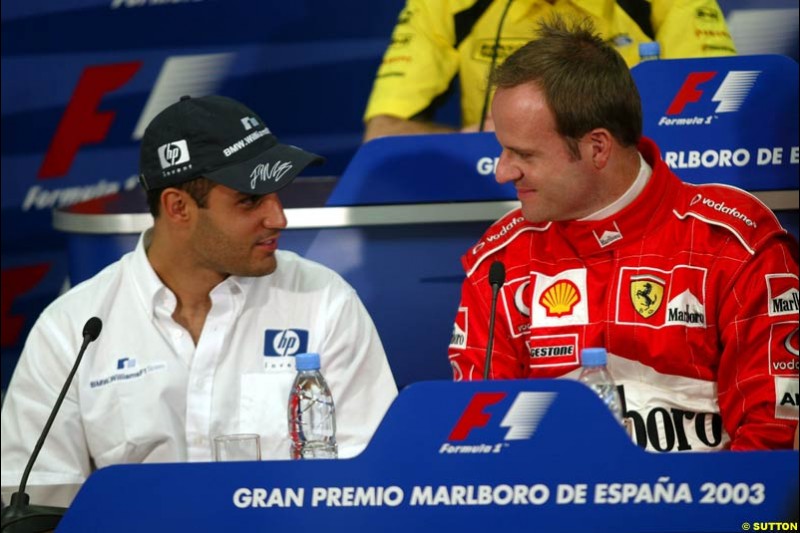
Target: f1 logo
<point x="474" y="415"/>
<point x="689" y="92"/>
<point x="521" y="419"/>
<point x="82" y="122"/>
<point x="730" y="94"/>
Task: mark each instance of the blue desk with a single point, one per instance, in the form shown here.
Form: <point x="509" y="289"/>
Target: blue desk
<point x="492" y="456"/>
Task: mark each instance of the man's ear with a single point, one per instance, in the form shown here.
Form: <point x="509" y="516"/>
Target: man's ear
<point x="176" y="205"/>
<point x="599" y="142"/>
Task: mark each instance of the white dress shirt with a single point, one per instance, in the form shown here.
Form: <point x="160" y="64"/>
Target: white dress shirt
<point x="145" y="393"/>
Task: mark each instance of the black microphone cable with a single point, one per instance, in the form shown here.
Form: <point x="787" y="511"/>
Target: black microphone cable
<point x="495" y="49"/>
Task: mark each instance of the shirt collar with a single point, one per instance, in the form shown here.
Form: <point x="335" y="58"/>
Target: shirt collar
<point x="151" y="288"/>
<point x="157" y="295"/>
<point x="645" y="171"/>
<point x="652" y="205"/>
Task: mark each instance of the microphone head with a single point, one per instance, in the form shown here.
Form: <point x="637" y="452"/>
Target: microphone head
<point x="497" y="274"/>
<point x="92" y="328"/>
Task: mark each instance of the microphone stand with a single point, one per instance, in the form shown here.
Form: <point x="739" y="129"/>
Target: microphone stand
<point x="497" y="276"/>
<point x="20" y="516"/>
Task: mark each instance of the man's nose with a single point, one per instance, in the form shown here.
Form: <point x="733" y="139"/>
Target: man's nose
<point x="505" y="170"/>
<point x="274" y="216"/>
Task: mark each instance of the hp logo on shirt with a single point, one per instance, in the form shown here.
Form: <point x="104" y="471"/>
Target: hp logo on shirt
<point x="283" y="342"/>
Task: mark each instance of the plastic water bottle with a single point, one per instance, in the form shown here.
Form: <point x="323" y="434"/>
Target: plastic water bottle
<point x="649" y="51"/>
<point x="597" y="377"/>
<point x="312" y="416"/>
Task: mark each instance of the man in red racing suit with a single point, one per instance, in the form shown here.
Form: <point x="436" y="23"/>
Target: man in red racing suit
<point x="693" y="291"/>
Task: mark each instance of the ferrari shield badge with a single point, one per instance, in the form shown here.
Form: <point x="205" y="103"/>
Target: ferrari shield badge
<point x="647" y="293"/>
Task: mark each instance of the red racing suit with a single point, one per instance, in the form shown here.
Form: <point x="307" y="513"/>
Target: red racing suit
<point x="692" y="290"/>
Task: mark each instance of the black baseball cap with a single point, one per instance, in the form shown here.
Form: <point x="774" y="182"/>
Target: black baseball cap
<point x="222" y="140"/>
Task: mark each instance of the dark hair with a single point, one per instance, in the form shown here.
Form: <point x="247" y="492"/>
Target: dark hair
<point x="198" y="189"/>
<point x="585" y="81"/>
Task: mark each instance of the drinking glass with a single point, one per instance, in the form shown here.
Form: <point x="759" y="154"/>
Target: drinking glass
<point x="237" y="447"/>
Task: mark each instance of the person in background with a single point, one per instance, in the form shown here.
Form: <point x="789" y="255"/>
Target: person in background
<point x="697" y="306"/>
<point x="200" y="321"/>
<point x="436" y="41"/>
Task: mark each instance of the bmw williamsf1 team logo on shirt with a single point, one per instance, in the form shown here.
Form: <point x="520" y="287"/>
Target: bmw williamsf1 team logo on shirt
<point x="283" y="342"/>
<point x="126" y="369"/>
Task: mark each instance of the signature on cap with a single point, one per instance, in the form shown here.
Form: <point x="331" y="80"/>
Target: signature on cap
<point x="263" y="172"/>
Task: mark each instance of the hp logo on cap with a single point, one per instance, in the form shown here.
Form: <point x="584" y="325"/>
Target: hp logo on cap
<point x="173" y="153"/>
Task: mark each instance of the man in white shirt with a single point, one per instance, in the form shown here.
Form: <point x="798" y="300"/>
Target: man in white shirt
<point x="200" y="322"/>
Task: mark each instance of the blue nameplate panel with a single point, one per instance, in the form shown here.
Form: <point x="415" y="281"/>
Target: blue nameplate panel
<point x="726" y="120"/>
<point x="489" y="456"/>
<point x="422" y="168"/>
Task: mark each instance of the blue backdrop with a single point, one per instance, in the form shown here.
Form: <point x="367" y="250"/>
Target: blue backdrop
<point x="81" y="78"/>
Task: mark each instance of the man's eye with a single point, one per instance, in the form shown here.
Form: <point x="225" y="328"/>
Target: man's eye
<point x="250" y="200"/>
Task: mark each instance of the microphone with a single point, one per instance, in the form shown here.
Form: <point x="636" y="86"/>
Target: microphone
<point x="497" y="276"/>
<point x="19" y="516"/>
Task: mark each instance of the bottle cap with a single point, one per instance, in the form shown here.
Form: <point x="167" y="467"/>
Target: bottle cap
<point x="593" y="356"/>
<point x="307" y="361"/>
<point x="649" y="49"/>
